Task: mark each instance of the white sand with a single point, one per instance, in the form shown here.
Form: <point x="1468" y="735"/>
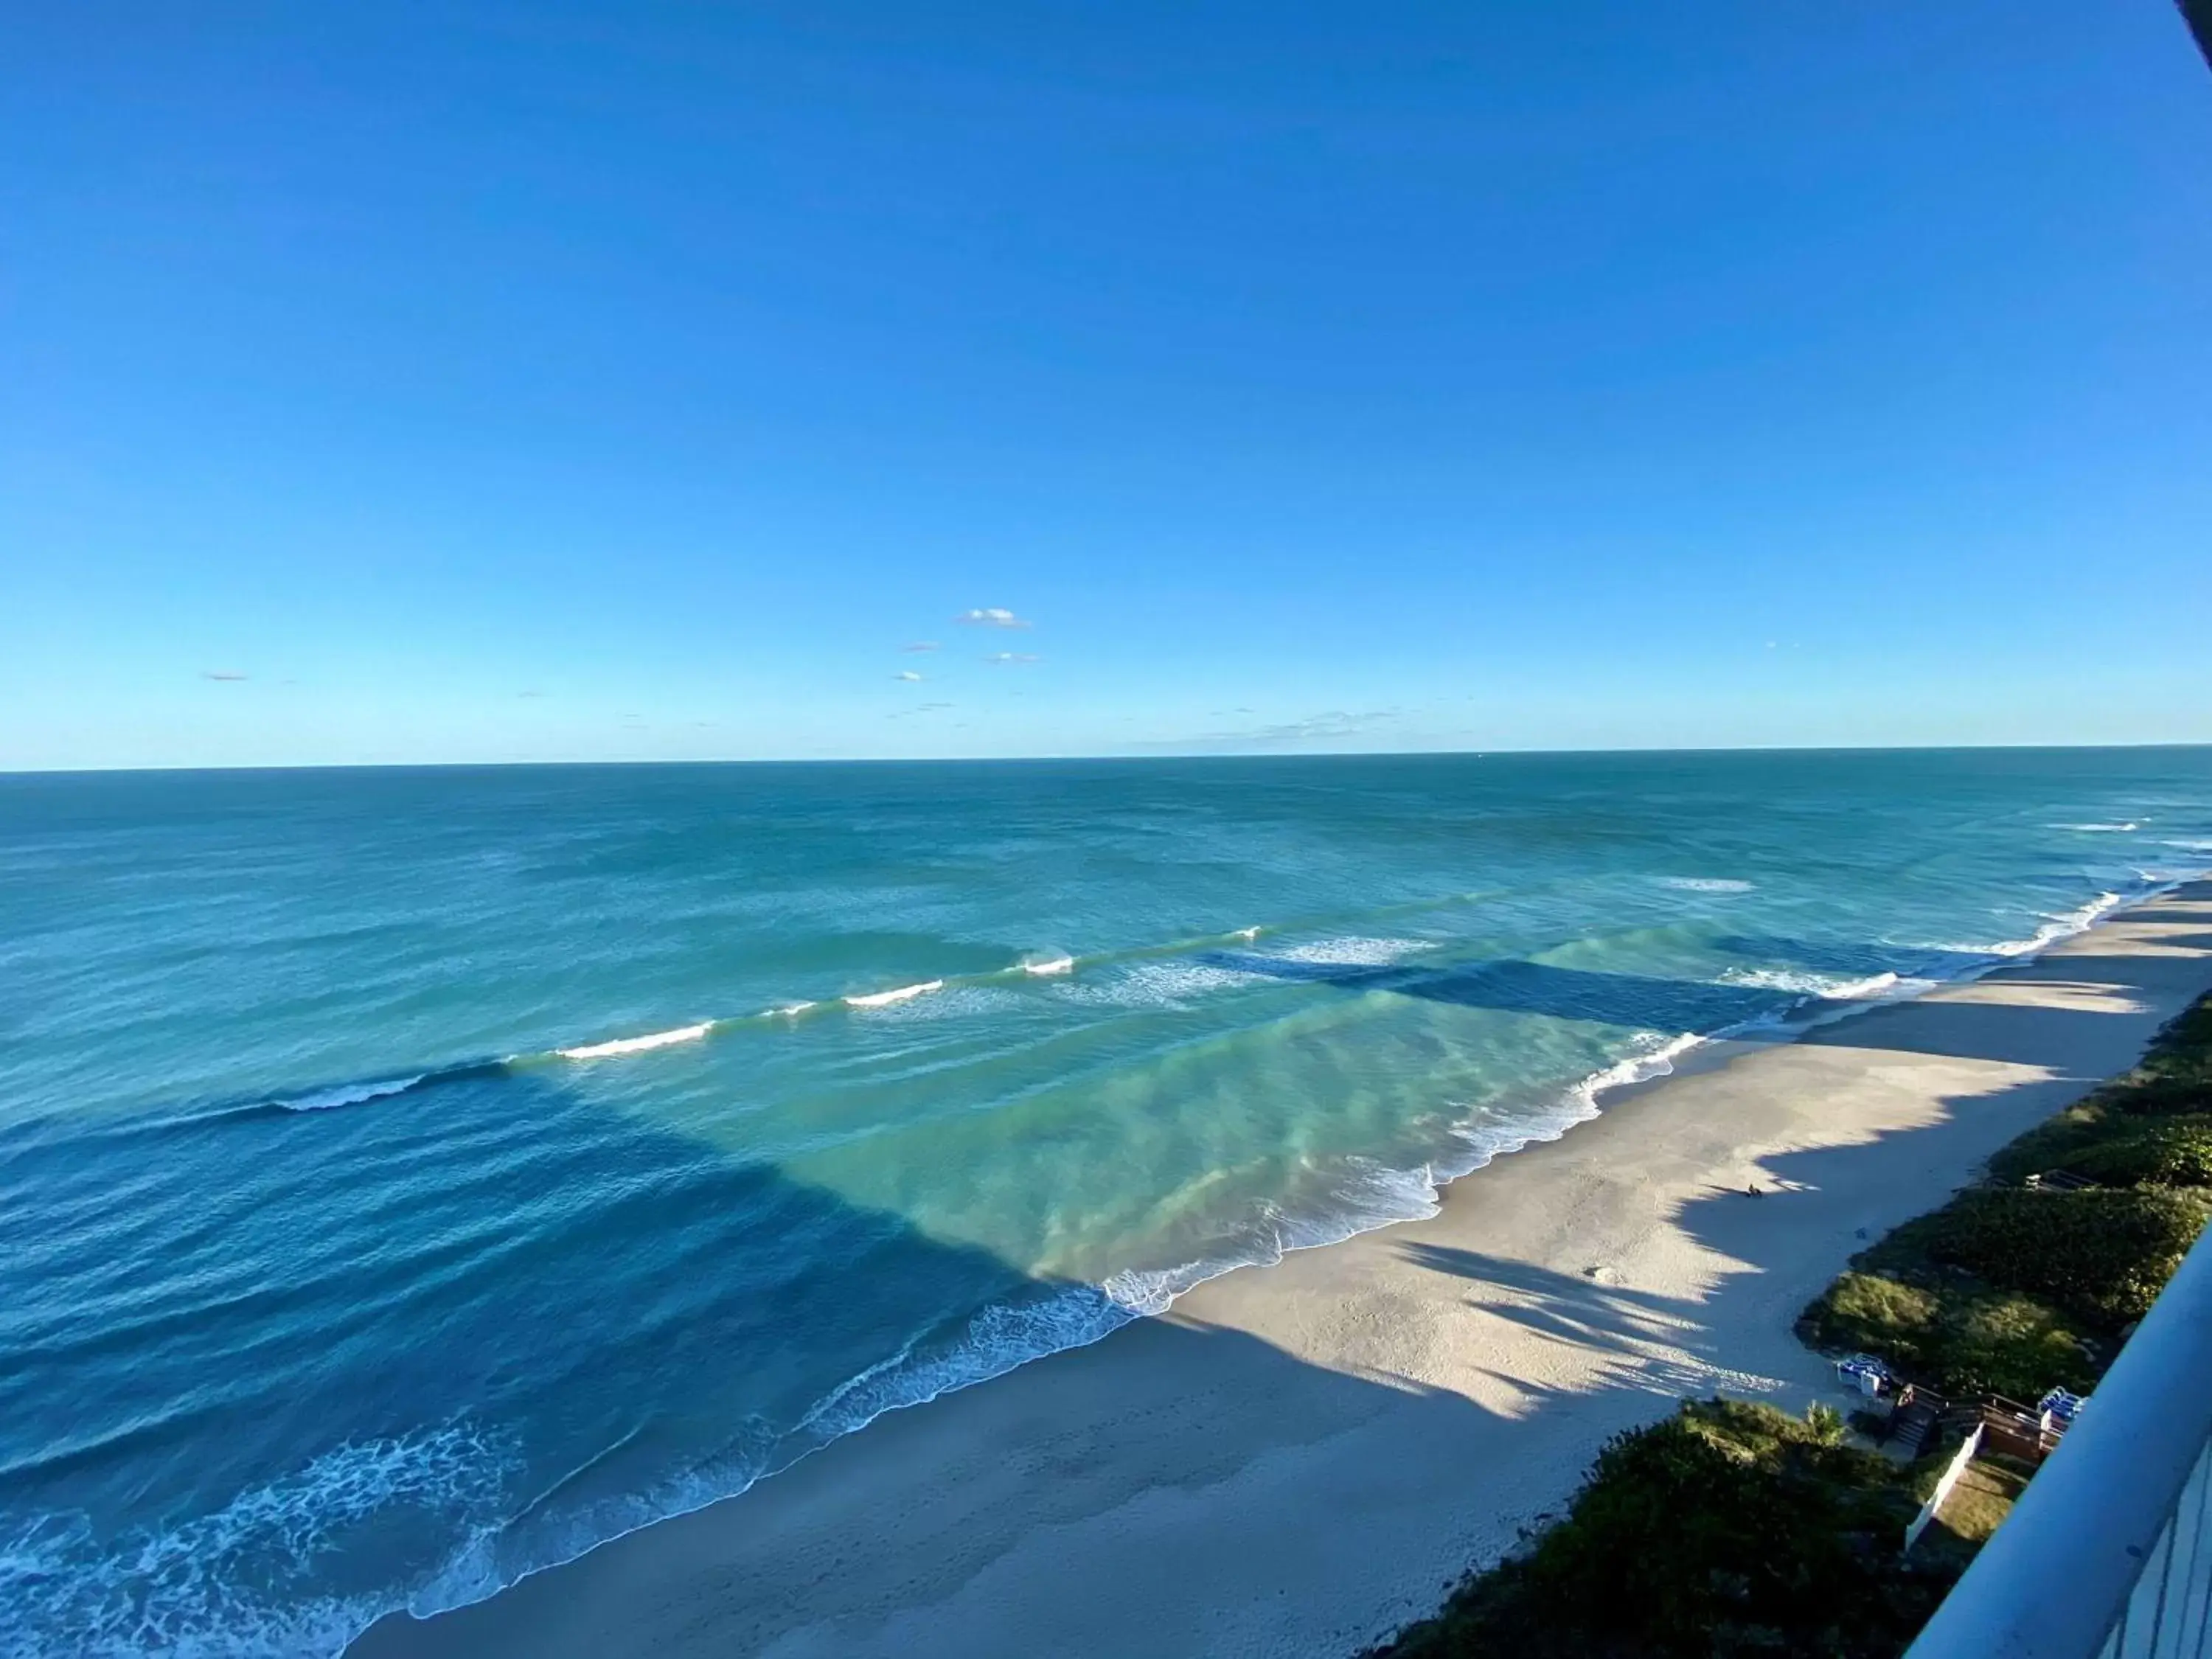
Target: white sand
<point x="1300" y="1457"/>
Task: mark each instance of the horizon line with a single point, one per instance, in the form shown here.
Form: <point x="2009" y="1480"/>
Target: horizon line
<point x="1059" y="759"/>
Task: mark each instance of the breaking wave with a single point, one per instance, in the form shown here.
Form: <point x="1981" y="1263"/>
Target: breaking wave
<point x="246" y="1581"/>
<point x="901" y="993"/>
<point x="638" y="1045"/>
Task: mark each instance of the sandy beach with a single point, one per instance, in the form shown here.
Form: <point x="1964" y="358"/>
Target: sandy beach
<point x="1300" y="1457"/>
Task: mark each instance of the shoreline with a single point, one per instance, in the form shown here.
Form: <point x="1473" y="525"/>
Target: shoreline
<point x="1296" y="1458"/>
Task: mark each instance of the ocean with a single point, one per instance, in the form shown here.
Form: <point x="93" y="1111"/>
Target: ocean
<point x="411" y="1178"/>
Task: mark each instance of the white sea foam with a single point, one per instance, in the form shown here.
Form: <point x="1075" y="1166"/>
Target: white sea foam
<point x="1365" y="1194"/>
<point x="2054" y="928"/>
<point x="904" y="994"/>
<point x="2189" y="845"/>
<point x="1245" y="932"/>
<point x="786" y="1010"/>
<point x="241" y="1581"/>
<point x="1708" y="885"/>
<point x="1359" y="952"/>
<point x="1042" y="966"/>
<point x="350" y="1094"/>
<point x="996" y="1339"/>
<point x="2100" y="828"/>
<point x="1833" y="987"/>
<point x="2162" y="877"/>
<point x="638" y="1045"/>
<point x="1172" y="983"/>
<point x="1654" y="1060"/>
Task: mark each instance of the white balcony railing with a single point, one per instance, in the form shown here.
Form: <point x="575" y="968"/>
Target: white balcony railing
<point x="2108" y="1554"/>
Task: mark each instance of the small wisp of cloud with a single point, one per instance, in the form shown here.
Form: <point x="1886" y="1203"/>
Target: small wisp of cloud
<point x="906" y="674"/>
<point x="922" y="645"/>
<point x="1329" y="726"/>
<point x="1013" y="657"/>
<point x="991" y="617"/>
<point x="220" y="674"/>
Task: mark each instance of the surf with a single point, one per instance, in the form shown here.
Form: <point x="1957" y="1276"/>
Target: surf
<point x="901" y="993"/>
<point x="638" y="1045"/>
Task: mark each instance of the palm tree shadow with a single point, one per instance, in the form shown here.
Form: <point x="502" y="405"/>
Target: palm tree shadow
<point x="1651" y="1342"/>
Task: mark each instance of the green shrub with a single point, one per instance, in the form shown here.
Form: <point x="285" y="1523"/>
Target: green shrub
<point x="2001" y="1343"/>
<point x="1961" y="1339"/>
<point x="1730" y="1529"/>
<point x="2173" y="1151"/>
<point x="2155" y="1096"/>
<point x="2182" y="1055"/>
<point x="1872" y="1313"/>
<point x="2101" y="1255"/>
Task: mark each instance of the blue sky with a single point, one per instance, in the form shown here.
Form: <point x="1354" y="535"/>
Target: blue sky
<point x="544" y="380"/>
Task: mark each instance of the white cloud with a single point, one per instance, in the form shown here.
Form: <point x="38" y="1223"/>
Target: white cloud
<point x="1011" y="656"/>
<point x="1335" y="723"/>
<point x="906" y="674"/>
<point x="991" y="617"/>
<point x="220" y="674"/>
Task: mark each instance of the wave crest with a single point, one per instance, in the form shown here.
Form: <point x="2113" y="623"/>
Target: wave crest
<point x="351" y="1094"/>
<point x="901" y="993"/>
<point x="638" y="1045"/>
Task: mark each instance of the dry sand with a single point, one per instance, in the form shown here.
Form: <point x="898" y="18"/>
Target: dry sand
<point x="1298" y="1458"/>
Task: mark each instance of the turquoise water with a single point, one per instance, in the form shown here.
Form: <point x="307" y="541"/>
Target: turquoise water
<point x="410" y="1178"/>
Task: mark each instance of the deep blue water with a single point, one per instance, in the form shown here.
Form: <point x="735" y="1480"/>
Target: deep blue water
<point x="330" y="1283"/>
